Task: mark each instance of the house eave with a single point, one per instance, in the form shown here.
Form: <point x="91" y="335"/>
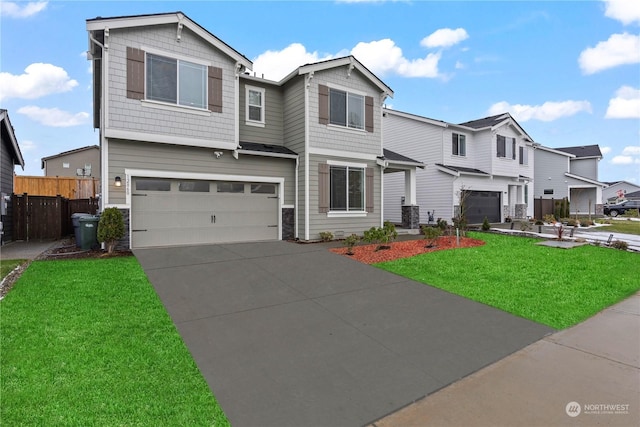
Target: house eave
<point x="4" y="119"/>
<point x="584" y="179"/>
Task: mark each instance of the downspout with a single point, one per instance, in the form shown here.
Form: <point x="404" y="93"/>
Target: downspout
<point x="306" y="155"/>
<point x="296" y="204"/>
<point x="104" y="151"/>
<point x="236" y="113"/>
<point x="384" y="96"/>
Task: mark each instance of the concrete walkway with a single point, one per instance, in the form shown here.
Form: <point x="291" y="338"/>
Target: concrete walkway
<point x="25" y="250"/>
<point x="587" y="375"/>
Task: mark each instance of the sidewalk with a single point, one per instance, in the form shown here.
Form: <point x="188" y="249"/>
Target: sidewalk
<point x="25" y="250"/>
<point x="582" y="376"/>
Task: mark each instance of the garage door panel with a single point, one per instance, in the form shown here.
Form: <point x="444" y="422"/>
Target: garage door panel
<point x="166" y="218"/>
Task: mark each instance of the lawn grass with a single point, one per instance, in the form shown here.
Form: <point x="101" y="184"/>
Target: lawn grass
<point x="88" y="342"/>
<point x="553" y="286"/>
<point x="620" y="226"/>
<point x="7" y="266"/>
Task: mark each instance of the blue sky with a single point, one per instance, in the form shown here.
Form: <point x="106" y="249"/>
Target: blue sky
<point x="568" y="71"/>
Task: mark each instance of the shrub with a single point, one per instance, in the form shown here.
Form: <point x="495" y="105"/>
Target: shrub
<point x="431" y="234"/>
<point x="381" y="235"/>
<point x="539" y="222"/>
<point x="485" y="224"/>
<point x="619" y="244"/>
<point x="632" y="213"/>
<point x="326" y="236"/>
<point x="524" y="226"/>
<point x="573" y="222"/>
<point x="350" y="242"/>
<point x="549" y="218"/>
<point x="110" y="228"/>
<point x="442" y="224"/>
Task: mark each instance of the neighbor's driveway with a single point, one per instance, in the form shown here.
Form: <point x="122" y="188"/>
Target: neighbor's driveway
<point x="293" y="335"/>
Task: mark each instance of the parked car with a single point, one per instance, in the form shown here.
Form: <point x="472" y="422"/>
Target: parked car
<point x="621" y="208"/>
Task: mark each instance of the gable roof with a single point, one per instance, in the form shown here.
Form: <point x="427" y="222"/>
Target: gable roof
<point x="493" y="122"/>
<point x="9" y="136"/>
<point x="178" y="18"/>
<point x="584" y="151"/>
<point x="461" y="170"/>
<point x="351" y="61"/>
<point x="65" y="153"/>
<point x="266" y="149"/>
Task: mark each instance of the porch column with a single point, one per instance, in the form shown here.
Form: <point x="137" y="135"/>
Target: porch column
<point x="410" y="209"/>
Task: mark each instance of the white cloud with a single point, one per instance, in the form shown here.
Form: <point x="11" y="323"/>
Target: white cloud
<point x="626" y="104"/>
<point x="631" y="150"/>
<point x="605" y="150"/>
<point x="444" y="37"/>
<point x="460" y="65"/>
<point x="619" y="49"/>
<point x="625" y="11"/>
<point x="26" y="145"/>
<point x="53" y="116"/>
<point x="622" y="160"/>
<point x="22" y="10"/>
<point x="547" y="112"/>
<point x="382" y="57"/>
<point x="38" y="80"/>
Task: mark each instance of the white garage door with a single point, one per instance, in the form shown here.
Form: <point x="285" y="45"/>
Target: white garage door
<point x="171" y="212"/>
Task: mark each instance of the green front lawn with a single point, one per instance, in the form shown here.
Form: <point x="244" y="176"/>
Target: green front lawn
<point x="7" y="266"/>
<point x="88" y="342"/>
<point x="619" y="226"/>
<point x="556" y="287"/>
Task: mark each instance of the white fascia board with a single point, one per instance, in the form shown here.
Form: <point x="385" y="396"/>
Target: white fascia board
<point x="169" y="18"/>
<point x="398" y="163"/>
<point x="582" y="178"/>
<point x="12" y="137"/>
<point x="551" y="150"/>
<point x="267" y="154"/>
<point x="168" y="139"/>
<point x="509" y="122"/>
<point x="416" y="118"/>
<point x="343" y="154"/>
<point x="447" y="171"/>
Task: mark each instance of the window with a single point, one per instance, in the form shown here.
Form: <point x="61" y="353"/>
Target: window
<point x="347" y="188"/>
<point x="65" y="165"/>
<point x="194" y="186"/>
<point x="506" y="147"/>
<point x="255" y="104"/>
<point x="153" y="184"/>
<point x="458" y="144"/>
<point x="230" y="187"/>
<point x="176" y="81"/>
<point x="346" y="109"/>
<point x="548" y="191"/>
<point x="524" y="156"/>
<point x="263" y="188"/>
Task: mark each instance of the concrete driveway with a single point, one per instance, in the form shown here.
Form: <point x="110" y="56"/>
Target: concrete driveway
<point x="293" y="335"/>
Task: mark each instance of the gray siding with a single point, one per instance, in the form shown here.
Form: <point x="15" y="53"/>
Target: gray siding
<point x="586" y="168"/>
<point x="338" y="138"/>
<point x="55" y="166"/>
<point x="549" y="173"/>
<point x="132" y="115"/>
<point x="163" y="157"/>
<point x="6" y="167"/>
<point x="294" y="136"/>
<point x="273" y="130"/>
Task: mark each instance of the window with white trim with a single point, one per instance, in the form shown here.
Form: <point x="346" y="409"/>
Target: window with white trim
<point x="524" y="156"/>
<point x="506" y="147"/>
<point x="346" y="109"/>
<point x="254" y="104"/>
<point x="346" y="188"/>
<point x="176" y="81"/>
<point x="458" y="144"/>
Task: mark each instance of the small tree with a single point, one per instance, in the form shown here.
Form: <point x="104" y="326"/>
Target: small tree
<point x="485" y="224"/>
<point x="431" y="234"/>
<point x="381" y="235"/>
<point x="110" y="228"/>
<point x="350" y="242"/>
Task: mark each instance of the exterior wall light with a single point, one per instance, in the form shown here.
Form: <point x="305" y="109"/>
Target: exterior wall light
<point x="118" y="182"/>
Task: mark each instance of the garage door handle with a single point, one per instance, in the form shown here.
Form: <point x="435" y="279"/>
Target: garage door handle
<point x="137" y="230"/>
<point x="272" y="225"/>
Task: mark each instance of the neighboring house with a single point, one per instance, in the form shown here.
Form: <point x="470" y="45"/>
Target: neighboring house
<point x="80" y="162"/>
<point x="572" y="173"/>
<point x="489" y="160"/>
<point x="10" y="156"/>
<point x="618" y="190"/>
<point x="195" y="150"/>
<point x="633" y="196"/>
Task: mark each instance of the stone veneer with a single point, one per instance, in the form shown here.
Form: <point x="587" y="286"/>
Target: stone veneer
<point x="411" y="217"/>
<point x="288" y="223"/>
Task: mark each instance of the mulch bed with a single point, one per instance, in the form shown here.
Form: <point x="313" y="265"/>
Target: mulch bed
<point x="367" y="253"/>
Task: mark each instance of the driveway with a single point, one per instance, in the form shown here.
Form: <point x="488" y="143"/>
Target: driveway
<point x="291" y="334"/>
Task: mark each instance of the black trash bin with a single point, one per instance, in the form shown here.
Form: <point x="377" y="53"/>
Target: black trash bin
<point x="75" y="219"/>
<point x="88" y="231"/>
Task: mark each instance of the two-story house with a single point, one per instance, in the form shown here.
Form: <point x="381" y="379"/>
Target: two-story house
<point x="571" y="173"/>
<point x="79" y="162"/>
<point x="10" y="157"/>
<point x="196" y="150"/>
<point x="488" y="162"/>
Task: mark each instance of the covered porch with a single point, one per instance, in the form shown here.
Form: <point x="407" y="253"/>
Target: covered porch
<point x="392" y="162"/>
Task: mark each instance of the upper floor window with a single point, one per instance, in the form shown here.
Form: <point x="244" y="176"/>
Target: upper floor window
<point x="458" y="144"/>
<point x="175" y="81"/>
<point x="346" y="109"/>
<point x="524" y="156"/>
<point x="506" y="147"/>
<point x="255" y="104"/>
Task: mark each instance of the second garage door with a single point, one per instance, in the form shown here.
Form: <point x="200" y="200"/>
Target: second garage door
<point x="481" y="204"/>
<point x="170" y="212"/>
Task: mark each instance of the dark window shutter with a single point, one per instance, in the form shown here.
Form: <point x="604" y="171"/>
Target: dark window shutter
<point x="323" y="104"/>
<point x="323" y="188"/>
<point x="215" y="89"/>
<point x="135" y="73"/>
<point x="368" y="113"/>
<point x="369" y="189"/>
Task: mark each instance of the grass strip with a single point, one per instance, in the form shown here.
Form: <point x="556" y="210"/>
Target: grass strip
<point x="556" y="287"/>
<point x="7" y="266"/>
<point x="88" y="342"/>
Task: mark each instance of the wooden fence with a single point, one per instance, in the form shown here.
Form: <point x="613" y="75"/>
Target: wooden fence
<point x="68" y="187"/>
<point x="542" y="207"/>
<point x="46" y="217"/>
